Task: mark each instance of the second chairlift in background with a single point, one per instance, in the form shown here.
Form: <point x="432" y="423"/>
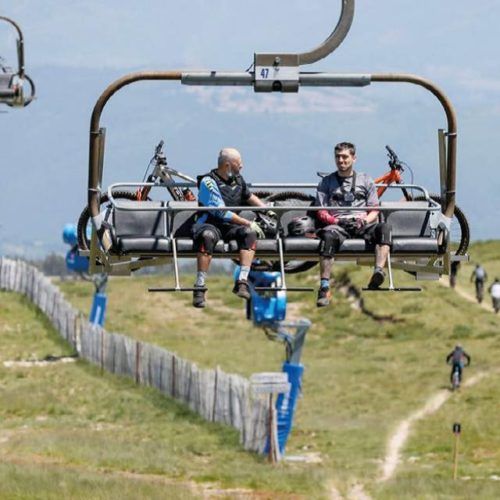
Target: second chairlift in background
<point x="12" y="82"/>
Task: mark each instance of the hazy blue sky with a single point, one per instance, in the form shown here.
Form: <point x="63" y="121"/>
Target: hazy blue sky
<point x="75" y="48"/>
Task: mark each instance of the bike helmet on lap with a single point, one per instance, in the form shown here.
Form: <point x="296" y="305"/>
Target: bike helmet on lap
<point x="301" y="226"/>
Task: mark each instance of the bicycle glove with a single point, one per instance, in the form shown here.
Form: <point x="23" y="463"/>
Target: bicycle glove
<point x="257" y="229"/>
<point x="326" y="218"/>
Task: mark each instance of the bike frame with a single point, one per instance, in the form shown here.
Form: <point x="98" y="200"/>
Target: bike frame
<point x="164" y="175"/>
<point x="391" y="177"/>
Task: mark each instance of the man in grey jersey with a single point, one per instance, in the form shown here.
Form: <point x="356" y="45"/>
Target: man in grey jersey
<point x="347" y="188"/>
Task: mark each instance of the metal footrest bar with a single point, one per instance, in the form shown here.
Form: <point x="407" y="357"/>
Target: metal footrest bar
<point x="393" y="289"/>
<point x="286" y="289"/>
<point x="174" y="289"/>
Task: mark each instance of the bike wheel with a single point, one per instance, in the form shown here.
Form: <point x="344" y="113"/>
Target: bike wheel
<point x="299" y="199"/>
<point x="84" y="219"/>
<point x="459" y="229"/>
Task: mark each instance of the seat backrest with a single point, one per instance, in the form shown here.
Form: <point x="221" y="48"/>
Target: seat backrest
<point x="181" y="222"/>
<point x="405" y="223"/>
<point x="139" y="222"/>
<point x="5" y="80"/>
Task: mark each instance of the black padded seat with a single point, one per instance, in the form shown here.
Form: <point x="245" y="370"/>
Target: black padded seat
<point x="144" y="245"/>
<point x="6" y="90"/>
<point x="414" y="246"/>
<point x="151" y="222"/>
<point x="181" y="222"/>
<point x="139" y="230"/>
<point x="305" y="246"/>
<point x="267" y="245"/>
<point x="405" y="223"/>
<point x="301" y="246"/>
<point x="147" y="232"/>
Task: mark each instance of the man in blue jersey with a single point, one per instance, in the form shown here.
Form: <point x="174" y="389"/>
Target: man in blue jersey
<point x="224" y="188"/>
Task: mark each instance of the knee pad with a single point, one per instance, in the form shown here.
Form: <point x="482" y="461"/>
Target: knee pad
<point x="383" y="234"/>
<point x="207" y="241"/>
<point x="330" y="243"/>
<point x="246" y="238"/>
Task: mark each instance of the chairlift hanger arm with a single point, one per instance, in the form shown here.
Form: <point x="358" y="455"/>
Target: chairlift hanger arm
<point x="313" y="79"/>
<point x="280" y="72"/>
<point x="20" y="45"/>
<point x="336" y="37"/>
<point x="451" y="117"/>
<point x="94" y="149"/>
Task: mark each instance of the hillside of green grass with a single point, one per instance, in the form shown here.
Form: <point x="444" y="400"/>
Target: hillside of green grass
<point x="362" y="378"/>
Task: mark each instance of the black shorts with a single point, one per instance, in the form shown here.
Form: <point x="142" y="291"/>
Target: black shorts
<point x="226" y="231"/>
<point x="376" y="233"/>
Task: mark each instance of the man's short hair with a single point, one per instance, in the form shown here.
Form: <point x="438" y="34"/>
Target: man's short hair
<point x="227" y="154"/>
<point x="345" y="145"/>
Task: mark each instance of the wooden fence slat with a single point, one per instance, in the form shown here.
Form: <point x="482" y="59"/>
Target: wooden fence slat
<point x="213" y="394"/>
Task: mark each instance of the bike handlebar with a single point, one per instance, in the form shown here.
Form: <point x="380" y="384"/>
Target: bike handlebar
<point x="159" y="147"/>
<point x="394" y="161"/>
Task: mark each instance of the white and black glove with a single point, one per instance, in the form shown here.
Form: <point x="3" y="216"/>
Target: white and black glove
<point x="258" y="230"/>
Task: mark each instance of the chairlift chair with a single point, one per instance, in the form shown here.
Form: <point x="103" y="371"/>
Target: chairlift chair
<point x="12" y="82"/>
<point x="128" y="235"/>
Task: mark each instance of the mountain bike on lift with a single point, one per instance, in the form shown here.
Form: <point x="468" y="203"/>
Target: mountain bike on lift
<point x="162" y="175"/>
<point x="460" y="232"/>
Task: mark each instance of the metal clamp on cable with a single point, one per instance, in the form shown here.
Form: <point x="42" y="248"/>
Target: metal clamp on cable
<point x="276" y="72"/>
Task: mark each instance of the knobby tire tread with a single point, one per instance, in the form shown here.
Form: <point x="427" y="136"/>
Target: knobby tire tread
<point x="461" y="219"/>
<point x="83" y="220"/>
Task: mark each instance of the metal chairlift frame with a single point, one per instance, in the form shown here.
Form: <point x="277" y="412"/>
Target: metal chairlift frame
<point x="12" y="94"/>
<point x="273" y="72"/>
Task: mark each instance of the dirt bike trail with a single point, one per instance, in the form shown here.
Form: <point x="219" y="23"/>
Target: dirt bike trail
<point x="398" y="439"/>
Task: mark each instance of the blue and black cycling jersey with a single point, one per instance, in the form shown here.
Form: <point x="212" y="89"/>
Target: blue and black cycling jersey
<point x="214" y="191"/>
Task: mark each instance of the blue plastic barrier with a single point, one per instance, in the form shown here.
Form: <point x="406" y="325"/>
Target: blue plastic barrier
<point x="286" y="403"/>
<point x="98" y="311"/>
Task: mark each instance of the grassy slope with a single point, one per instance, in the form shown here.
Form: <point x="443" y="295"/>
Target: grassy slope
<point x="362" y="377"/>
<point x="71" y="426"/>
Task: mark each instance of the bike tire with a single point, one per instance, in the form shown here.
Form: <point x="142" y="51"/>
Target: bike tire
<point x="83" y="220"/>
<point x="459" y="220"/>
<point x="291" y="197"/>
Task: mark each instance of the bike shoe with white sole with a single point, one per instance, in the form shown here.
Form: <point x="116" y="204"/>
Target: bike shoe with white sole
<point x="324" y="296"/>
<point x="378" y="277"/>
<point x="241" y="289"/>
<point x="199" y="300"/>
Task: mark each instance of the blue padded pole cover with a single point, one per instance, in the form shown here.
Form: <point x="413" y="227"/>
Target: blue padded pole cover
<point x="98" y="311"/>
<point x="286" y="403"/>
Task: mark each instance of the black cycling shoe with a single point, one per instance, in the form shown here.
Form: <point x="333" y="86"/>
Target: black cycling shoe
<point x="324" y="296"/>
<point x="241" y="289"/>
<point x="199" y="299"/>
<point x="377" y="279"/>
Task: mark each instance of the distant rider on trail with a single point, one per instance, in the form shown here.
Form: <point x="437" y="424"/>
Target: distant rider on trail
<point x="479" y="276"/>
<point x="495" y="294"/>
<point x="457" y="358"/>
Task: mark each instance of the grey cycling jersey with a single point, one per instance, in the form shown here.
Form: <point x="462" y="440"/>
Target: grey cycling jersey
<point x="334" y="190"/>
